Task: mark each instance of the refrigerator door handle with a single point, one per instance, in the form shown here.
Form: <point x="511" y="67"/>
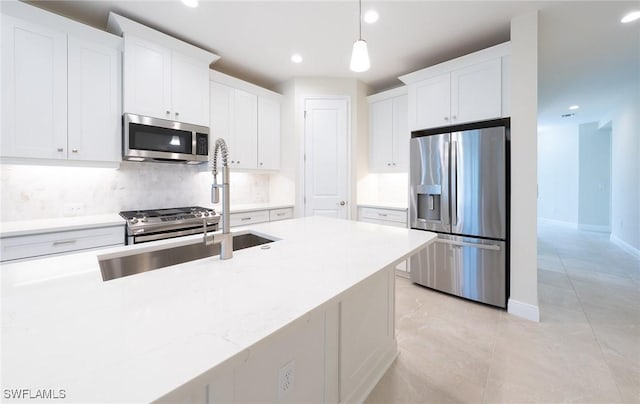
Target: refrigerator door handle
<point x="454" y="183"/>
<point x="467" y="244"/>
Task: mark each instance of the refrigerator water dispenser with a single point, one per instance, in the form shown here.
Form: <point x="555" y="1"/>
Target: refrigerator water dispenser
<point x="429" y="202"/>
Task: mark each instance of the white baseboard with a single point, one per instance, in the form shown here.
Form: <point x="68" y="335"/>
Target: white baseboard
<point x="593" y="227"/>
<point x="625" y="246"/>
<point x="562" y="223"/>
<point x="524" y="310"/>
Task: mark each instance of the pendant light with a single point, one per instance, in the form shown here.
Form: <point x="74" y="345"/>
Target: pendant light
<point x="360" y="55"/>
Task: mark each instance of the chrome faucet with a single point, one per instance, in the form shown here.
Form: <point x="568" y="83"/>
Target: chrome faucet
<point x="225" y="239"/>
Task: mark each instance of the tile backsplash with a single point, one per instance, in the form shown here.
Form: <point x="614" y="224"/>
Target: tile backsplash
<point x="38" y="192"/>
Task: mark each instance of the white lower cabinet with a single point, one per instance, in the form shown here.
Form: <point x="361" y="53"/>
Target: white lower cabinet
<point x="244" y="218"/>
<point x="280" y="214"/>
<point x="259" y="216"/>
<point x="335" y="353"/>
<point x="387" y="217"/>
<point x="38" y="245"/>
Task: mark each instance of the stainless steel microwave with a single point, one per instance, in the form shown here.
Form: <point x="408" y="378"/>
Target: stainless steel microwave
<point x="153" y="139"/>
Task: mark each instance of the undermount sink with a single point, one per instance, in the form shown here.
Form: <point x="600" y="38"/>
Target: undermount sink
<point x="138" y="262"/>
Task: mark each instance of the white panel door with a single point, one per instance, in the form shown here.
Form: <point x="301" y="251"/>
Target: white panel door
<point x="401" y="134"/>
<point x="245" y="130"/>
<point x="34" y="91"/>
<point x="326" y="159"/>
<point x="429" y="101"/>
<point x="476" y="92"/>
<point x="147" y="78"/>
<point x="221" y="113"/>
<point x="268" y="134"/>
<point x="381" y="130"/>
<point x="189" y="90"/>
<point x="94" y="102"/>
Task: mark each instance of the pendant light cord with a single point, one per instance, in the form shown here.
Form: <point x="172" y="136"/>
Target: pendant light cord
<point x="360" y="17"/>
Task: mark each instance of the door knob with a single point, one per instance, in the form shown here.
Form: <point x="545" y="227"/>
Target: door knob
<point x="342" y="203"/>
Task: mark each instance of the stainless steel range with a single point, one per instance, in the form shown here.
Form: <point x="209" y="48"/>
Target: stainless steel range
<point x="158" y="224"/>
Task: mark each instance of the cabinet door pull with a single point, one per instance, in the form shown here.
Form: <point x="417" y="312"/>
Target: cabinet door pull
<point x="63" y="242"/>
<point x="246" y="218"/>
<point x="60" y="149"/>
<point x="74" y="150"/>
<point x="168" y="113"/>
<point x="446" y="118"/>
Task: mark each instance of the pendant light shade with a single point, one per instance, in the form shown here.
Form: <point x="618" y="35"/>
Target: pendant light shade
<point x="360" y="55"/>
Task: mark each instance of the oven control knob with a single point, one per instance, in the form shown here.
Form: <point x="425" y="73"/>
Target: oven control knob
<point x="144" y="219"/>
<point x="134" y="220"/>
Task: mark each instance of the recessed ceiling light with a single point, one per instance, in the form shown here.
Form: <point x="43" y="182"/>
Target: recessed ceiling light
<point x="296" y="58"/>
<point x="190" y="3"/>
<point x="574" y="107"/>
<point x="371" y="16"/>
<point x="632" y="16"/>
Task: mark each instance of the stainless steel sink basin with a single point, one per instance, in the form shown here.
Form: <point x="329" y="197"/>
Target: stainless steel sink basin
<point x="138" y="262"/>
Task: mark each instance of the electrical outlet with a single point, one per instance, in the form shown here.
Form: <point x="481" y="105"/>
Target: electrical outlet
<point x="286" y="377"/>
<point x="72" y="209"/>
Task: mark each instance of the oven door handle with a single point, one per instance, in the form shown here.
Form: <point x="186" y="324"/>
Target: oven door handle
<point x="160" y="236"/>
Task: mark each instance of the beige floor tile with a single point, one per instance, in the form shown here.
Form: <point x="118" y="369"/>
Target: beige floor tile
<point x="586" y="349"/>
<point x="552" y="278"/>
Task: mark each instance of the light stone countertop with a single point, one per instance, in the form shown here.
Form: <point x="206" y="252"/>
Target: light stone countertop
<point x="39" y="226"/>
<point x="250" y="207"/>
<point x="136" y="338"/>
<point x="384" y="205"/>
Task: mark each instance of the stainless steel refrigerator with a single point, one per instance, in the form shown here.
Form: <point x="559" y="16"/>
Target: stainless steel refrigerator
<point x="459" y="190"/>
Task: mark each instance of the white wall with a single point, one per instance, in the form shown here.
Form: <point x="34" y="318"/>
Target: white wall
<point x="38" y="191"/>
<point x="294" y="92"/>
<point x="594" y="180"/>
<point x="389" y="188"/>
<point x="558" y="174"/>
<point x="625" y="169"/>
<point x="524" y="110"/>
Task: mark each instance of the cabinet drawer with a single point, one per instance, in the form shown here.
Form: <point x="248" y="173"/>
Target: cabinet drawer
<point x="280" y="214"/>
<point x="60" y="242"/>
<point x="244" y="218"/>
<point x="396" y="216"/>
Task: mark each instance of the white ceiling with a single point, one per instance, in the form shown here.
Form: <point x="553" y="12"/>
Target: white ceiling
<point x="585" y="55"/>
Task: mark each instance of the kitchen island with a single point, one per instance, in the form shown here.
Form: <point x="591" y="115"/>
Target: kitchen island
<point x="309" y="319"/>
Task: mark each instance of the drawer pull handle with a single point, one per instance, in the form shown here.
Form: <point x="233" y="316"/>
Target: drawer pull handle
<point x="63" y="242"/>
<point x="246" y="218"/>
<point x="280" y="214"/>
<point x="382" y="214"/>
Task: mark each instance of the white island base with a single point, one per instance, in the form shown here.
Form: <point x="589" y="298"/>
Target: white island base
<point x="336" y="353"/>
<point x="309" y="319"/>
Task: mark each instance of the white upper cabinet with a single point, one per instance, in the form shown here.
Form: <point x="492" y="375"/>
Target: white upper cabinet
<point x="432" y="100"/>
<point x="93" y="101"/>
<point x="163" y="77"/>
<point x="476" y="92"/>
<point x="388" y="132"/>
<point x="34" y="90"/>
<point x="190" y="89"/>
<point x="244" y="138"/>
<point x="61" y="94"/>
<point x="467" y="89"/>
<point x="248" y="118"/>
<point x="147" y="78"/>
<point x="162" y="83"/>
<point x="268" y="133"/>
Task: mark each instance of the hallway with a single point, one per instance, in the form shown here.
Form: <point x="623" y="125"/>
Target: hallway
<point x="585" y="349"/>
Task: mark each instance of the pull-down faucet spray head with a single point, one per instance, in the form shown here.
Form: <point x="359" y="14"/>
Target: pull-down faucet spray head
<point x="220" y="146"/>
